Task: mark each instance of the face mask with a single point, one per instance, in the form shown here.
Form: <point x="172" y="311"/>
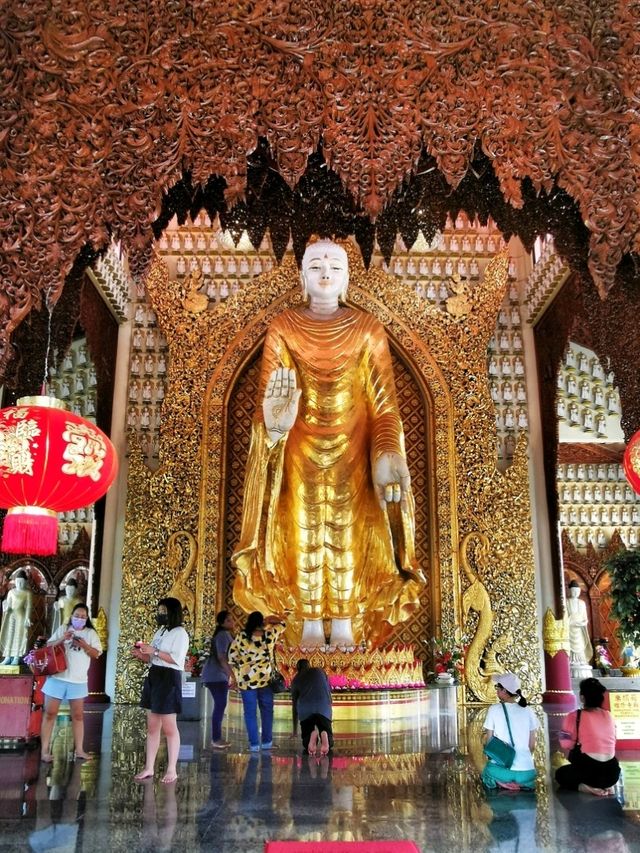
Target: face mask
<point x="162" y="618"/>
<point x="77" y="623"/>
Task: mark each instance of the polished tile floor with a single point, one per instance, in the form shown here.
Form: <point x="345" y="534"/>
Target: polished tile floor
<point x="420" y="784"/>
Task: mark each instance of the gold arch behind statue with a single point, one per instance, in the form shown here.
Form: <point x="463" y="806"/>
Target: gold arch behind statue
<point x="218" y="495"/>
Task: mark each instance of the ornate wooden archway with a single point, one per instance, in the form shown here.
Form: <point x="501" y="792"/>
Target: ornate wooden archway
<point x="102" y="113"/>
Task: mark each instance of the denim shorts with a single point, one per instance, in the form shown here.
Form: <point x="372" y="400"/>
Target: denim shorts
<point x="56" y="688"/>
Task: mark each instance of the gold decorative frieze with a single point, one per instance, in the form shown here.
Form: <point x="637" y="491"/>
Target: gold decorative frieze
<point x="555" y="634"/>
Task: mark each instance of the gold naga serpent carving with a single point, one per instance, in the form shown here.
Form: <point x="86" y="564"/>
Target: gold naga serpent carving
<point x="481" y="661"/>
<point x="175" y="558"/>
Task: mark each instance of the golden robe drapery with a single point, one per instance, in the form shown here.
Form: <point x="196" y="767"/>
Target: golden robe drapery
<point x="314" y="538"/>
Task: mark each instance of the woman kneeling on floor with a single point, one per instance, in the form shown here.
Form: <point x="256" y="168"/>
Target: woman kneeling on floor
<point x="593" y="767"/>
<point x="511" y="721"/>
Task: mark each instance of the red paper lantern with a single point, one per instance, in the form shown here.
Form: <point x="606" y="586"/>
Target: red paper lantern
<point x="51" y="461"/>
<point x="631" y="462"/>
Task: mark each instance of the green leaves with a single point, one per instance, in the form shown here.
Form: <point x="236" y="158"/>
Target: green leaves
<point x="624" y="569"/>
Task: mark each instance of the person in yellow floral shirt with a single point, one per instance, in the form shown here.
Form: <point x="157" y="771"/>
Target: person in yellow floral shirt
<point x="250" y="657"/>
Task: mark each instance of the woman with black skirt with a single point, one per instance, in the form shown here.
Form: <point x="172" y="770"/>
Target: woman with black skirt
<point x="162" y="689"/>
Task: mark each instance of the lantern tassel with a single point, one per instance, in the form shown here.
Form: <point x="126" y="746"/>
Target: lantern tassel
<point x="30" y="534"/>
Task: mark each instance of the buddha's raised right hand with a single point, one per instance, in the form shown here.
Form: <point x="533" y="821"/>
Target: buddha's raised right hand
<point x="280" y="404"/>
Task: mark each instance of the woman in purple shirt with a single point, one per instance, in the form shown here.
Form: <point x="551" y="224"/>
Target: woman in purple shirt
<point x="218" y="675"/>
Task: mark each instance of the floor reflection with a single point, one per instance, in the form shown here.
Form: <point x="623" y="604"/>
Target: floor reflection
<point x="159" y="817"/>
<point x="56" y="794"/>
<point x="62" y="798"/>
<point x="233" y="801"/>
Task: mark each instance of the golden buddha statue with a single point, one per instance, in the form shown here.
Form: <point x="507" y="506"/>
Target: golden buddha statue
<point x="194" y="301"/>
<point x="328" y="514"/>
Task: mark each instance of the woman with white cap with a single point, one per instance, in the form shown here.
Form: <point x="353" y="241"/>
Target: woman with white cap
<point x="514" y="723"/>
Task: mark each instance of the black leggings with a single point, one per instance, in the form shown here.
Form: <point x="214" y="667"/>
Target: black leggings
<point x="588" y="771"/>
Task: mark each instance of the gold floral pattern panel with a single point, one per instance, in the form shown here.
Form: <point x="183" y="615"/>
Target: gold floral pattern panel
<point x="420" y="445"/>
<point x="242" y="404"/>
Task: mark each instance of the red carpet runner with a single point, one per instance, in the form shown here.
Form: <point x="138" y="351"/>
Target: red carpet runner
<point x="341" y="847"/>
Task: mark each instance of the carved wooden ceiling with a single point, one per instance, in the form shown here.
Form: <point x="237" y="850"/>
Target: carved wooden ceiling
<point x="380" y="114"/>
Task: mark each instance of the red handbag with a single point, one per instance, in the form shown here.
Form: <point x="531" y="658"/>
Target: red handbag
<point x="49" y="660"/>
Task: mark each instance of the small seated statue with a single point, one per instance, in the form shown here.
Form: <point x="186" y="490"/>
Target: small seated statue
<point x="602" y="658"/>
<point x="194" y="301"/>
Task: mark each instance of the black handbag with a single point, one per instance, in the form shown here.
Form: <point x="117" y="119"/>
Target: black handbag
<point x="575" y="753"/>
<point x="498" y="751"/>
<point x="276" y="682"/>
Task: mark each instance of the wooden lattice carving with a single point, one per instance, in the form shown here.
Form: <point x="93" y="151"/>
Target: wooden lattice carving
<point x="103" y="108"/>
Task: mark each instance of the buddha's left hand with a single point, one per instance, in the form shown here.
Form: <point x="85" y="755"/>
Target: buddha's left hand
<point x="391" y="479"/>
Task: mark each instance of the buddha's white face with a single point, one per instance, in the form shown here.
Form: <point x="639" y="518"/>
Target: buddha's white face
<point x="574" y="592"/>
<point x="325" y="272"/>
<point x="20" y="583"/>
<point x="69" y="591"/>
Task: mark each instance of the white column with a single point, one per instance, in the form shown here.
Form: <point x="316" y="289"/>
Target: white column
<point x="111" y="571"/>
<point x="541" y="528"/>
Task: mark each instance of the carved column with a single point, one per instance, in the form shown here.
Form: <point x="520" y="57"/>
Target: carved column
<point x="555" y="643"/>
<point x="98" y="668"/>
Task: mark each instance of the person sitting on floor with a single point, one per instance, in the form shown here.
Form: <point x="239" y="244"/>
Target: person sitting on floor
<point x="511" y="721"/>
<point x="593" y="767"/>
<point x="311" y="701"/>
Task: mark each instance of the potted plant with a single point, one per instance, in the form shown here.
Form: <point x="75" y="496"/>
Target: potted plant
<point x="624" y="571"/>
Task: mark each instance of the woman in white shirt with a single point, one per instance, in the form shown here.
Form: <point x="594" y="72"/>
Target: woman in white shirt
<point x="162" y="689"/>
<point x="514" y="723"/>
<point x="81" y="646"/>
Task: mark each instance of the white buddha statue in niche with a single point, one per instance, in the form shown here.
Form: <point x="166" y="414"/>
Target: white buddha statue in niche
<point x="579" y="640"/>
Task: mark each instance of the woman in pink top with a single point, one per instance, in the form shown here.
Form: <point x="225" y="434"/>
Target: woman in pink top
<point x="594" y="769"/>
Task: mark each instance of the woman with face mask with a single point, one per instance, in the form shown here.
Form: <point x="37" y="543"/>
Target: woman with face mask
<point x="81" y="645"/>
<point x="162" y="689"/>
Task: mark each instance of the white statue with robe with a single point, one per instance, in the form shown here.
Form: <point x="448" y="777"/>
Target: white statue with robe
<point x="579" y="641"/>
<point x="63" y="607"/>
<point x="16" y="621"/>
